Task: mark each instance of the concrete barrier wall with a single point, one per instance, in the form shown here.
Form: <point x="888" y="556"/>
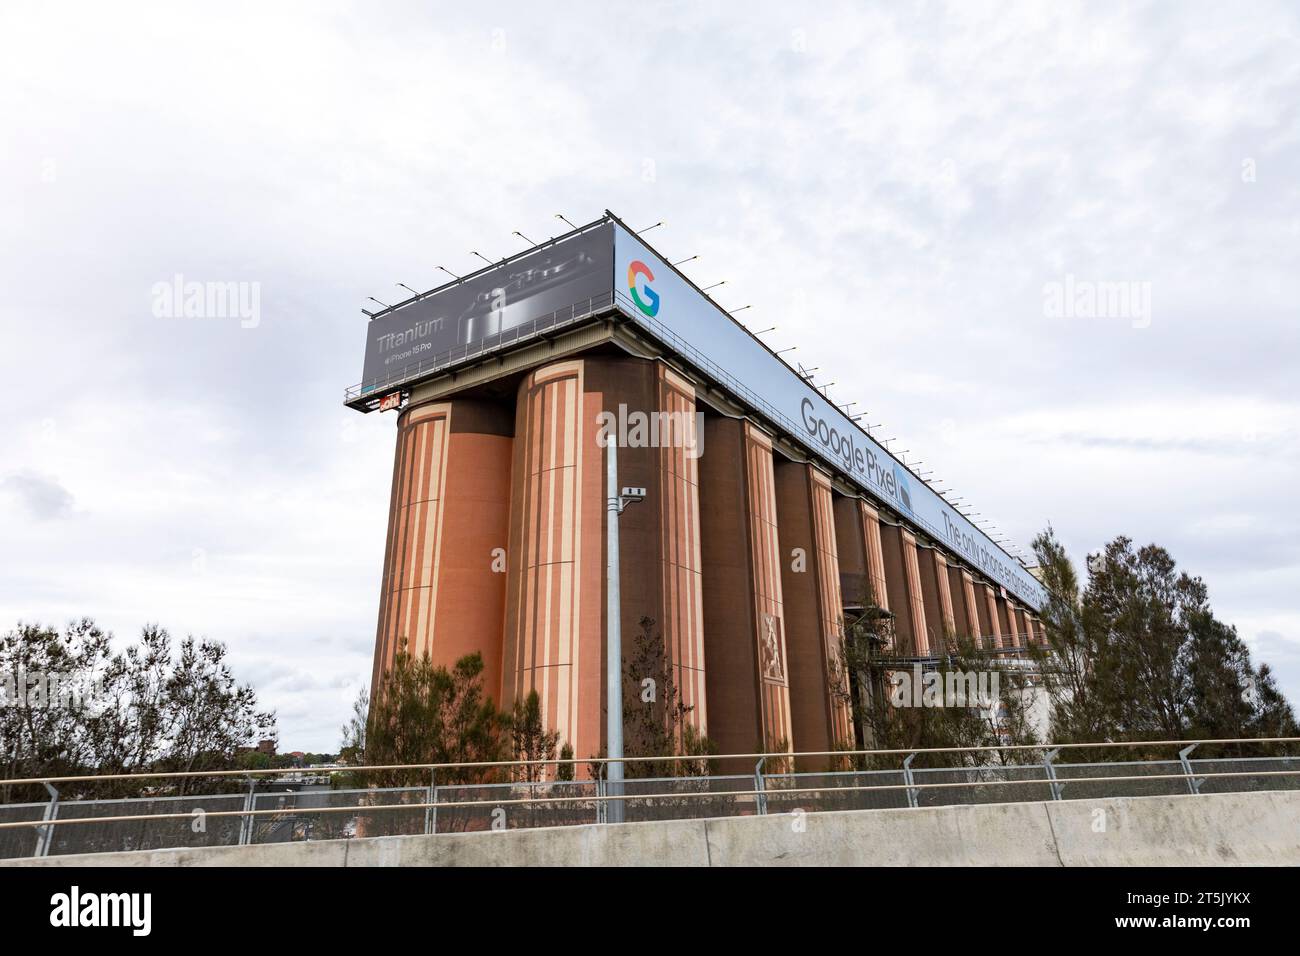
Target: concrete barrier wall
<point x="1233" y="828"/>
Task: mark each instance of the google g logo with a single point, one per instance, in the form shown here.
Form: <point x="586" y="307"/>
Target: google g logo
<point x="650" y="304"/>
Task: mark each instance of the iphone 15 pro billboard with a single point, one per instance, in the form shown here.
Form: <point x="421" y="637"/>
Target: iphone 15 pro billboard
<point x="503" y="303"/>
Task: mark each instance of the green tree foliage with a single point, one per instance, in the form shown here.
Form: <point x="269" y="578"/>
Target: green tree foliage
<point x="153" y="707"/>
<point x="564" y="771"/>
<point x="424" y="714"/>
<point x="1069" y="652"/>
<point x="656" y="721"/>
<point x="352" y="751"/>
<point x="889" y="715"/>
<point x="1139" y="655"/>
<point x="427" y="714"/>
<point x="530" y="740"/>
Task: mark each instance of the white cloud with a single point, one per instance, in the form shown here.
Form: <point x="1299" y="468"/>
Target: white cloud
<point x="891" y="187"/>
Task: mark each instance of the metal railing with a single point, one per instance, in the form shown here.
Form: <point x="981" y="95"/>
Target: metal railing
<point x="776" y="785"/>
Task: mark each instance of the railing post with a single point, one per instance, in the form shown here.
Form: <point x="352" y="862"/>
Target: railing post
<point x="46" y="836"/>
<point x="760" y="799"/>
<point x="909" y="780"/>
<point x="601" y="816"/>
<point x="246" y="821"/>
<point x="1051" y="772"/>
<point x="1193" y="785"/>
<point x="431" y="796"/>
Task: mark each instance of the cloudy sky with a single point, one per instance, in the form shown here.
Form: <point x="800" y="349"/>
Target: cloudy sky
<point x="901" y="190"/>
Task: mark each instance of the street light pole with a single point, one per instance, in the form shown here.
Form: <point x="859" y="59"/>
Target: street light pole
<point x="614" y="637"/>
<point x="615" y="501"/>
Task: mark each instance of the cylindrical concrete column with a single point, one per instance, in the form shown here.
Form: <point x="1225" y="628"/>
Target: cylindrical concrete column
<point x="1023" y="629"/>
<point x="1006" y="620"/>
<point x="860" y="553"/>
<point x="875" y="555"/>
<point x="443" y="588"/>
<point x="554" y="613"/>
<point x="990" y="624"/>
<point x="744" y="629"/>
<point x="680" y="562"/>
<point x="965" y="604"/>
<point x="851" y="548"/>
<point x="821" y="715"/>
<point x="939" y="620"/>
<point x="555" y="620"/>
<point x="903" y="580"/>
<point x="651" y="409"/>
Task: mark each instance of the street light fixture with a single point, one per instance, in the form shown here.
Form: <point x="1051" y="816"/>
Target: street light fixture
<point x="615" y="501"/>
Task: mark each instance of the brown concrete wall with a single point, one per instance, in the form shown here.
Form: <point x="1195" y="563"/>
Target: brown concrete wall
<point x="831" y="605"/>
<point x="659" y="538"/>
<point x="1023" y="624"/>
<point x="681" y="567"/>
<point x="810" y="586"/>
<point x="903" y="581"/>
<point x="947" y="607"/>
<point x="940" y="624"/>
<point x="1018" y="627"/>
<point x="744" y="631"/>
<point x="851" y="551"/>
<point x="555" y="621"/>
<point x="990" y="625"/>
<point x="442" y="590"/>
<point x="896" y="588"/>
<point x="706" y="556"/>
<point x="1006" y="625"/>
<point x="860" y="553"/>
<point x="973" y="602"/>
<point x="962" y="612"/>
<point x="555" y="611"/>
<point x="915" y="596"/>
<point x="875" y="554"/>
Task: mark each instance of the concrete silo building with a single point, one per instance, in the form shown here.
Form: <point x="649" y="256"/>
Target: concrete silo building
<point x="769" y="516"/>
